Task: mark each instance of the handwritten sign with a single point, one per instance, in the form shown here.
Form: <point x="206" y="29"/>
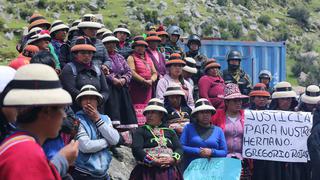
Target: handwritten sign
<point x="213" y="169"/>
<point x="276" y="135"/>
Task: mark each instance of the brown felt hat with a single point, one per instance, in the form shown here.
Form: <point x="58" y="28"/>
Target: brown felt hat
<point x="37" y="20"/>
<point x="259" y="89"/>
<point x="163" y="33"/>
<point x="175" y="58"/>
<point x="139" y="43"/>
<point x="83" y="44"/>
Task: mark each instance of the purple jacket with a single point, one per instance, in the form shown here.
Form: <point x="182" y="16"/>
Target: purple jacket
<point x="161" y="65"/>
<point x="119" y="68"/>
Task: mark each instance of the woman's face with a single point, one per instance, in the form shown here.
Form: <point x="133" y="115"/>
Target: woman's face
<point x="213" y="72"/>
<point x="175" y="70"/>
<point x="260" y="101"/>
<point x="61" y="35"/>
<point x="92" y="100"/>
<point x="110" y="46"/>
<point x="54" y="117"/>
<point x="175" y="100"/>
<point x="204" y="117"/>
<point x="90" y="32"/>
<point x="153" y="44"/>
<point x="265" y="81"/>
<point x="284" y="103"/>
<point x="154" y="118"/>
<point x="234" y="105"/>
<point x="164" y="39"/>
<point x="43" y="44"/>
<point x="122" y="36"/>
<point x="140" y="49"/>
<point x="84" y="56"/>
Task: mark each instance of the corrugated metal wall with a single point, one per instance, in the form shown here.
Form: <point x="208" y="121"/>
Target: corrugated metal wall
<point x="256" y="57"/>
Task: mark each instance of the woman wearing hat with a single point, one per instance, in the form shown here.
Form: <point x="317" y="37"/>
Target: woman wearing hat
<point x="283" y="98"/>
<point x="24" y="57"/>
<point x="309" y="99"/>
<point x="21" y="155"/>
<point x="119" y="106"/>
<point x="157" y="149"/>
<point x="7" y="114"/>
<point x="211" y="85"/>
<point x="157" y="58"/>
<point x="123" y="34"/>
<point x="164" y="36"/>
<point x="201" y="139"/>
<point x="231" y="120"/>
<point x="259" y="97"/>
<point x="178" y="110"/>
<point x="58" y="33"/>
<point x="265" y="77"/>
<point x="42" y="40"/>
<point x="144" y="76"/>
<point x="82" y="71"/>
<point x="88" y="27"/>
<point x="95" y="135"/>
<point x="174" y="76"/>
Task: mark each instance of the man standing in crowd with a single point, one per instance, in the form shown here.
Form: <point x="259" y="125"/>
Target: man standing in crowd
<point x="234" y="74"/>
<point x="174" y="45"/>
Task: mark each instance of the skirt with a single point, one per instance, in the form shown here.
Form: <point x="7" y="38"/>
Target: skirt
<point x="119" y="108"/>
<point x="142" y="172"/>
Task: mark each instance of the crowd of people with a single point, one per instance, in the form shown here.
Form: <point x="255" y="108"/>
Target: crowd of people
<point x="76" y="93"/>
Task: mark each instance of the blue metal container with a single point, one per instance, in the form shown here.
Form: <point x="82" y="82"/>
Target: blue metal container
<point x="257" y="56"/>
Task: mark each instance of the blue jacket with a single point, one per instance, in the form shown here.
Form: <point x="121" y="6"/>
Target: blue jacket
<point x="96" y="164"/>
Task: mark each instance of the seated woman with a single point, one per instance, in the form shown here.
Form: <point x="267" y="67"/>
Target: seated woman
<point x="95" y="134"/>
<point x="178" y="110"/>
<point x="157" y="149"/>
<point x="200" y="139"/>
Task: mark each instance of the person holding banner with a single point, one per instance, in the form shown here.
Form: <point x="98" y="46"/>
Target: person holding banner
<point x="284" y="99"/>
<point x="309" y="99"/>
<point x="156" y="148"/>
<point x="231" y="120"/>
<point x="259" y="97"/>
<point x="314" y="144"/>
<point x="201" y="139"/>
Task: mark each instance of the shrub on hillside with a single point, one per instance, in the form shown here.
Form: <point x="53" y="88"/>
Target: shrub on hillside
<point x="25" y="12"/>
<point x="245" y="3"/>
<point x="150" y="15"/>
<point x="235" y="29"/>
<point x="283" y="33"/>
<point x="223" y="24"/>
<point x="42" y="4"/>
<point x="264" y="19"/>
<point x="300" y="13"/>
<point x="225" y="35"/>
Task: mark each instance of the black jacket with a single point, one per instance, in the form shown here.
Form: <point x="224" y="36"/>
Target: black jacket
<point x="314" y="145"/>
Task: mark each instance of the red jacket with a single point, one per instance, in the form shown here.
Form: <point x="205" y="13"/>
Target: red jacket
<point x="22" y="158"/>
<point x="19" y="61"/>
<point x="219" y="119"/>
<point x="212" y="88"/>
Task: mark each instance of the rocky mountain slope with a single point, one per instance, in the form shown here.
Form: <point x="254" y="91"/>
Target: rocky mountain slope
<point x="295" y="21"/>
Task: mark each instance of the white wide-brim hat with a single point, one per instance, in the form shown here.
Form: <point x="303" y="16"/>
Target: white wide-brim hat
<point x="125" y="30"/>
<point x="190" y="65"/>
<point x="36" y="85"/>
<point x="173" y="89"/>
<point x="89" y="90"/>
<point x="38" y="37"/>
<point x="203" y="105"/>
<point x="58" y="28"/>
<point x="89" y="24"/>
<point x="283" y="90"/>
<point x="110" y="39"/>
<point x="312" y="95"/>
<point x="6" y="75"/>
<point x="155" y="104"/>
